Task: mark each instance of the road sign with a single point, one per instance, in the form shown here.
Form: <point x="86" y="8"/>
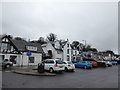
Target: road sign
<point x="29" y="53"/>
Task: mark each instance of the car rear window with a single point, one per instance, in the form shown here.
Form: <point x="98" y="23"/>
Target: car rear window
<point x="70" y="63"/>
<point x="59" y="62"/>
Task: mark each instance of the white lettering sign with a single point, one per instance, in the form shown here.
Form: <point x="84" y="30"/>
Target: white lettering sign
<point x="31" y="48"/>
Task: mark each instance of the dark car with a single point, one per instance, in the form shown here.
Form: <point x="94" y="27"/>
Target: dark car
<point x="101" y="64"/>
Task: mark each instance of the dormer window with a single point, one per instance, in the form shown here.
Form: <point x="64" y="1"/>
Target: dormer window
<point x="31" y="48"/>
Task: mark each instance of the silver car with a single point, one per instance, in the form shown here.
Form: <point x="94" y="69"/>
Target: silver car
<point x="108" y="63"/>
<point x="5" y="63"/>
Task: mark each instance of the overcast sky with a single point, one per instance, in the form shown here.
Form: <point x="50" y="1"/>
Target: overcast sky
<point x="95" y="22"/>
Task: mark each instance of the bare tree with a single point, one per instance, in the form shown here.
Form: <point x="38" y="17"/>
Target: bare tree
<point x="76" y="44"/>
<point x="41" y="40"/>
<point x="52" y="37"/>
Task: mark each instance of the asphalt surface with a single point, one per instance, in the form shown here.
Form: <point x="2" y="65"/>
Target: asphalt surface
<point x="81" y="78"/>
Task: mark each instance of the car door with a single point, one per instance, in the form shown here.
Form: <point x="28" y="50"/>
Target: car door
<point x="46" y="63"/>
<point x="80" y="64"/>
<point x="83" y="64"/>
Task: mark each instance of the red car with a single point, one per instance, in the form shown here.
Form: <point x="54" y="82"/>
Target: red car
<point x="94" y="64"/>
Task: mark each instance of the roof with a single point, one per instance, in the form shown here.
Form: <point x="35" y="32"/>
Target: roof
<point x="20" y="45"/>
<point x="58" y="49"/>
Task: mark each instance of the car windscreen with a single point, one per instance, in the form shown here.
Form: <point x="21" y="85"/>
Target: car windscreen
<point x="59" y="62"/>
<point x="70" y="63"/>
<point x="83" y="62"/>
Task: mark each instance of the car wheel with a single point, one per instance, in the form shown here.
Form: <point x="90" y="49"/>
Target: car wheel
<point x="66" y="69"/>
<point x="73" y="70"/>
<point x="85" y="67"/>
<point x="51" y="70"/>
<point x="7" y="66"/>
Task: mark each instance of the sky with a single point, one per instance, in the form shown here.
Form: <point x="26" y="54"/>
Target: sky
<point x="95" y="22"/>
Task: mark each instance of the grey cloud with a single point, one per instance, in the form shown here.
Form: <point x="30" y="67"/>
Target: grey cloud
<point x="94" y="22"/>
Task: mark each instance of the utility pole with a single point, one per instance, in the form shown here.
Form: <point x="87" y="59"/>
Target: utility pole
<point x="85" y="43"/>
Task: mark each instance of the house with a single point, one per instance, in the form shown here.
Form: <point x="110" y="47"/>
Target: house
<point x="58" y="50"/>
<point x="20" y="52"/>
<point x="75" y="54"/>
<point x="66" y="50"/>
<point x="52" y="50"/>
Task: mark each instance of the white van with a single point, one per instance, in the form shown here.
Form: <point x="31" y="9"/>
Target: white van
<point x="53" y="65"/>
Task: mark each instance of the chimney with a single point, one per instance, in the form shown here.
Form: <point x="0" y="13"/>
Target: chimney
<point x="67" y="40"/>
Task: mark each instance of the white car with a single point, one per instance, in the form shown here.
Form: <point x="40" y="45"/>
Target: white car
<point x="53" y="65"/>
<point x="69" y="66"/>
<point x="109" y="63"/>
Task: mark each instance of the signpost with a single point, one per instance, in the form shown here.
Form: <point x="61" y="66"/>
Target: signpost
<point x="29" y="54"/>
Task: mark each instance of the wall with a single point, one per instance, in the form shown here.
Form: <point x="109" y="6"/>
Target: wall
<point x="23" y="59"/>
<point x="65" y="52"/>
<point x="54" y="52"/>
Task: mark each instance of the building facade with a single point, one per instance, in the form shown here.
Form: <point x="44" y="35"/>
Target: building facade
<point x="20" y="52"/>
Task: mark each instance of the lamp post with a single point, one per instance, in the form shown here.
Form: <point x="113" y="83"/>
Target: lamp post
<point x="85" y="43"/>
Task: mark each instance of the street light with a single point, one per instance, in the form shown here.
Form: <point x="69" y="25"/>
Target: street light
<point x="85" y="42"/>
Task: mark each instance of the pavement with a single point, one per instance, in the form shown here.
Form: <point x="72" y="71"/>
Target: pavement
<point x="28" y="70"/>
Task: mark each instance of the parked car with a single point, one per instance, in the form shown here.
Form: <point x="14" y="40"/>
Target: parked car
<point x="109" y="63"/>
<point x="83" y="64"/>
<point x="101" y="64"/>
<point x="5" y="63"/>
<point x="1" y="63"/>
<point x="114" y="62"/>
<point x="53" y="65"/>
<point x="69" y="66"/>
<point x="94" y="64"/>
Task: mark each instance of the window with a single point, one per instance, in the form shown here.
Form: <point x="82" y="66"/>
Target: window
<point x="4" y="46"/>
<point x="31" y="48"/>
<point x="67" y="51"/>
<point x="83" y="62"/>
<point x="67" y="45"/>
<point x="70" y="63"/>
<point x="68" y="58"/>
<point x="71" y="51"/>
<point x="49" y="61"/>
<point x="31" y="59"/>
<point x="59" y="62"/>
<point x="64" y="63"/>
<point x="75" y="52"/>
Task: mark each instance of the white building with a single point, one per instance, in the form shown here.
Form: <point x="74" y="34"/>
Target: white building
<point x="59" y="49"/>
<point x="54" y="49"/>
<point x="66" y="50"/>
<point x="20" y="52"/>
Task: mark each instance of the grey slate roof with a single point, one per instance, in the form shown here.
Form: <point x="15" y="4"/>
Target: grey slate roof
<point x="21" y="45"/>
